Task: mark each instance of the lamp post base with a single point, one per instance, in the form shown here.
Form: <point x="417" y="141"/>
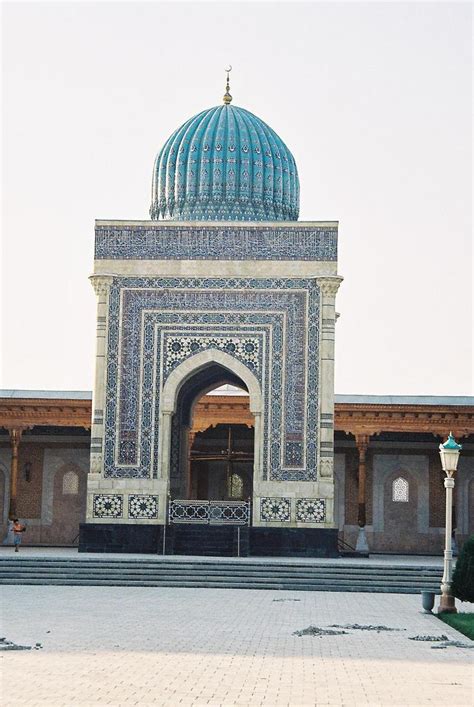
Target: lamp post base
<point x="447" y="604"/>
<point x="362" y="546"/>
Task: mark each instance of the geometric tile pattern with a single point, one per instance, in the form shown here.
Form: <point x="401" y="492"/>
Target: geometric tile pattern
<point x="275" y="509"/>
<point x="277" y="318"/>
<point x="244" y="242"/>
<point x="179" y="348"/>
<point x="107" y="506"/>
<point x="142" y="506"/>
<point x="311" y="510"/>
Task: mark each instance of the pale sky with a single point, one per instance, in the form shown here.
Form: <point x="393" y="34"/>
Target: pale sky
<point x="373" y="100"/>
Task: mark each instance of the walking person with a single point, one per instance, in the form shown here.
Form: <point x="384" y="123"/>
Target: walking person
<point x="18" y="529"/>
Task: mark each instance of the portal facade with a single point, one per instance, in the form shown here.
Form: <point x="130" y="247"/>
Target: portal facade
<point x="223" y="285"/>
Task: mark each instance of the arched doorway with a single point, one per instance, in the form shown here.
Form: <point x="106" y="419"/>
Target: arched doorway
<point x="216" y="460"/>
<point x="221" y="446"/>
<point x="212" y="438"/>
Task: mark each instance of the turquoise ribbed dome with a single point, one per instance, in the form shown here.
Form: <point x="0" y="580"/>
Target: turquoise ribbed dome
<point x="225" y="164"/>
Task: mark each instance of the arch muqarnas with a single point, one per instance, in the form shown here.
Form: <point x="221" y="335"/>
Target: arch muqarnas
<point x="181" y="374"/>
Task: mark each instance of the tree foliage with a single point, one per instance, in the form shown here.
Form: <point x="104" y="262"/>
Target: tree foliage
<point x="463" y="577"/>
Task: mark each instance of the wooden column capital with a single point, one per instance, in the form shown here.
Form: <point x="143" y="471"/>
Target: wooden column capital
<point x="362" y="442"/>
<point x="16" y="432"/>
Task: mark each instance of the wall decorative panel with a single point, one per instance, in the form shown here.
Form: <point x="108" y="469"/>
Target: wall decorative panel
<point x="259" y="242"/>
<point x="107" y="506"/>
<point x="275" y="509"/>
<point x="142" y="506"/>
<point x="311" y="510"/>
<point x="270" y="325"/>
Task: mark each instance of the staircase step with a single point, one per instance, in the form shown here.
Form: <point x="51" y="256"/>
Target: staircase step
<point x="208" y="572"/>
<point x="231" y="573"/>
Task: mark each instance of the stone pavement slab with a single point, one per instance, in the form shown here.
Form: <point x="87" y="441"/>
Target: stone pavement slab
<point x="169" y="646"/>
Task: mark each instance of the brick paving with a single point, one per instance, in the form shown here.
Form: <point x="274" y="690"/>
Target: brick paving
<point x="168" y="646"/>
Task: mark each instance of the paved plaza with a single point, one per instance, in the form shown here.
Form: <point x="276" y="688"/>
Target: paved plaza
<point x="168" y="646"/>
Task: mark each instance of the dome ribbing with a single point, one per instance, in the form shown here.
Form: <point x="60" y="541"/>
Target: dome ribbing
<point x="225" y="164"/>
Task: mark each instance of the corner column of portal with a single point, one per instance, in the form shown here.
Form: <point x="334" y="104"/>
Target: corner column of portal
<point x="101" y="285"/>
<point x="328" y="287"/>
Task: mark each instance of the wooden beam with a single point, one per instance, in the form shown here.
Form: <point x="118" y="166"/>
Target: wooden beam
<point x="372" y="419"/>
<point x="31" y="412"/>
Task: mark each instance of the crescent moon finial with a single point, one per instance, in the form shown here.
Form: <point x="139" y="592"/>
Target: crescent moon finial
<point x="227" y="97"/>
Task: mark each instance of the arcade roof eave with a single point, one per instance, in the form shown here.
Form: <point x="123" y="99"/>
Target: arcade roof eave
<point x="356" y="415"/>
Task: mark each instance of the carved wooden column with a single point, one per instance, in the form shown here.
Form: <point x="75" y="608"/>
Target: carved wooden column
<point x="101" y="285"/>
<point x="15" y="437"/>
<point x="362" y="442"/>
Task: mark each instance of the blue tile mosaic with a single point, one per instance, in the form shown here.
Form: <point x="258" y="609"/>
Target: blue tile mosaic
<point x="148" y="242"/>
<point x="271" y="325"/>
<point x="179" y="348"/>
<point x="225" y="164"/>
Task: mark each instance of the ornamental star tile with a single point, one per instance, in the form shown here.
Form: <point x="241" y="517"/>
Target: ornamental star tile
<point x="142" y="506"/>
<point x="311" y="510"/>
<point x="107" y="506"/>
<point x="275" y="509"/>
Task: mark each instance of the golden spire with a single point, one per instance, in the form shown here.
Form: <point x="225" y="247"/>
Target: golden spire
<point x="227" y="97"/>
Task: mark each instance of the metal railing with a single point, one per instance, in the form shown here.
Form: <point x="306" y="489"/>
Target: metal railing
<point x="209" y="512"/>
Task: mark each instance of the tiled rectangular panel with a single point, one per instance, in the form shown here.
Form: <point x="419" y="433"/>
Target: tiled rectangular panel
<point x="271" y="325"/>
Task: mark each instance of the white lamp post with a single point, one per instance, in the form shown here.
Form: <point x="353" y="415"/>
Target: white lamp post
<point x="449" y="453"/>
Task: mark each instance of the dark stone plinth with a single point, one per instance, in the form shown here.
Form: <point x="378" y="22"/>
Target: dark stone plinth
<point x="293" y="542"/>
<point x="116" y="537"/>
<point x="211" y="540"/>
<point x="218" y="540"/>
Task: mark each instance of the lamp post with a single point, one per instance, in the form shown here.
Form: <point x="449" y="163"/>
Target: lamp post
<point x="449" y="453"/>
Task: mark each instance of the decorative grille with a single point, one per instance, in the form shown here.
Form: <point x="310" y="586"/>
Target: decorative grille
<point x="71" y="483"/>
<point x="400" y="490"/>
<point x="210" y="512"/>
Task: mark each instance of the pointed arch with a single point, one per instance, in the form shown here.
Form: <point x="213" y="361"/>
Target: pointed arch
<point x="178" y="378"/>
<point x="195" y="363"/>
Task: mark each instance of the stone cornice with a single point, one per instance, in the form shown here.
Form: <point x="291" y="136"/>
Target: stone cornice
<point x="217" y="224"/>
